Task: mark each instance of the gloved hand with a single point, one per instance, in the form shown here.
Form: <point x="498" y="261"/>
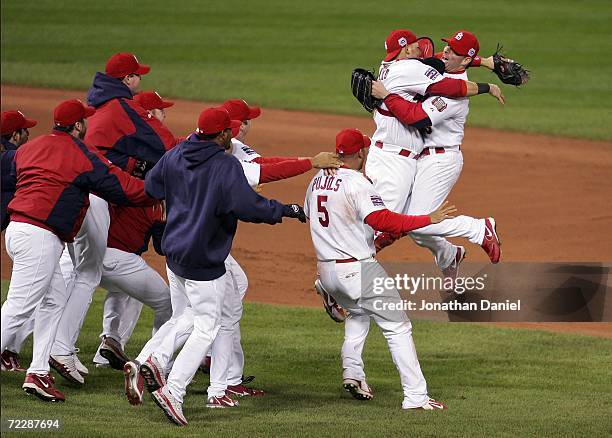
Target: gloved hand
<point x="294" y="211"/>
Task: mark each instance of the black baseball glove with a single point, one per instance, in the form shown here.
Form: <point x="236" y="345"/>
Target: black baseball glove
<point x="509" y="71"/>
<point x="361" y="84"/>
<point x="294" y="211"/>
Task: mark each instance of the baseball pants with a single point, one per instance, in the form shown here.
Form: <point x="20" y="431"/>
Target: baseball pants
<point x="206" y="301"/>
<point x="344" y="282"/>
<point x="87" y="254"/>
<point x="36" y="286"/>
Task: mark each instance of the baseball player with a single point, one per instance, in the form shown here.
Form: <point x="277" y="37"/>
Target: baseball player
<point x="206" y="194"/>
<point x="439" y="164"/>
<point x="55" y="173"/>
<point x="130" y="138"/>
<point x="228" y="363"/>
<point x="344" y="210"/>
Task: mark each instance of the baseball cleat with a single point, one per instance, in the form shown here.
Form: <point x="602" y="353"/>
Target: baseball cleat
<point x="153" y="374"/>
<point x="491" y="242"/>
<point x="10" y="361"/>
<point x="205" y="365"/>
<point x="134" y="383"/>
<point x="221" y="402"/>
<point x="170" y="405"/>
<point x="333" y="309"/>
<point x="431" y="405"/>
<point x="82" y="369"/>
<point x="358" y="389"/>
<point x="43" y="387"/>
<point x="243" y="391"/>
<point x="112" y="351"/>
<point x="452" y="271"/>
<point x="65" y="365"/>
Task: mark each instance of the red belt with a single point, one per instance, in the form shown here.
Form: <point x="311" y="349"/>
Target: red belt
<point x="402" y="152"/>
<point x="347" y="260"/>
<point x="427" y="151"/>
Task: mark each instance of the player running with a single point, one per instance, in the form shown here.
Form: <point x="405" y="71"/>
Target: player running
<point x="344" y="210"/>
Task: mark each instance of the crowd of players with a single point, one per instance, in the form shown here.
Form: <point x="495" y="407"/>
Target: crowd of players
<point x="81" y="204"/>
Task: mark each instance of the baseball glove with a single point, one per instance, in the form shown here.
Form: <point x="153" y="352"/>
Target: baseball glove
<point x="509" y="71"/>
<point x="361" y="84"/>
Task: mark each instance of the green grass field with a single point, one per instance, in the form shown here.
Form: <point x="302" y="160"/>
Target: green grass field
<point x="299" y="55"/>
<point x="496" y="382"/>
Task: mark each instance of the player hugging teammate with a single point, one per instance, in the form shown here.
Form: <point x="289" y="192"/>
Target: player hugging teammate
<point x="81" y="204"/>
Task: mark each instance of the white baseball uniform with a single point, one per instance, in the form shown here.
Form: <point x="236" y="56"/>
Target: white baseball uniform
<point x="337" y="207"/>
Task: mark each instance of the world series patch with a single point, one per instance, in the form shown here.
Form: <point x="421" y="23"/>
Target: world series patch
<point x="439" y="103"/>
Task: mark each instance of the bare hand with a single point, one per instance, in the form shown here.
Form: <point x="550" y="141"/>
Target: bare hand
<point x="326" y="160"/>
<point x="330" y="172"/>
<point x="444" y="212"/>
<point x="378" y="90"/>
<point x="495" y="91"/>
<point x="258" y="188"/>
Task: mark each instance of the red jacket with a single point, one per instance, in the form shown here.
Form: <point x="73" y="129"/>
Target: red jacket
<point x="132" y="227"/>
<point x="55" y="174"/>
<point x="123" y="130"/>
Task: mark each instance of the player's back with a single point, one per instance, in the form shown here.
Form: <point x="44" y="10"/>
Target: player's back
<point x="337" y="206"/>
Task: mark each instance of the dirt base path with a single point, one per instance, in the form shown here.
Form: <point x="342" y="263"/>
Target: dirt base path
<point x="550" y="196"/>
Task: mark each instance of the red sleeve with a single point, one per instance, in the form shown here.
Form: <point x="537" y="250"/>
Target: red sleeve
<point x="283" y="170"/>
<point x="476" y="61"/>
<point x="389" y="222"/>
<point x="272" y="160"/>
<point x="406" y="112"/>
<point x="448" y="87"/>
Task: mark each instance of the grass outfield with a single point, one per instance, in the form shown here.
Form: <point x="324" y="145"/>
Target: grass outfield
<point x="299" y="55"/>
<point x="497" y="382"/>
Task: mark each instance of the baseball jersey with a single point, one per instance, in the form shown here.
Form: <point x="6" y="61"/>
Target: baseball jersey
<point x="337" y="206"/>
<point x="406" y="78"/>
<point x="242" y="151"/>
<point x="448" y="117"/>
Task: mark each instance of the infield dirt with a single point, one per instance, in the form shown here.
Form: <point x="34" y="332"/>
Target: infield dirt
<point x="550" y="197"/>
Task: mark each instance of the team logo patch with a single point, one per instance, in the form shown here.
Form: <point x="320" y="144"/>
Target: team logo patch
<point x="377" y="201"/>
<point x="402" y="41"/>
<point x="439" y="103"/>
<point x="471" y="52"/>
<point x="432" y="73"/>
<point x="459" y="36"/>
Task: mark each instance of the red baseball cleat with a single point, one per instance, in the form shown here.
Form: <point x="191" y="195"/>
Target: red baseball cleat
<point x="170" y="405"/>
<point x="243" y="391"/>
<point x="335" y="311"/>
<point x="431" y="405"/>
<point x="153" y="374"/>
<point x="10" y="361"/>
<point x="43" y="387"/>
<point x="491" y="242"/>
<point x="452" y="271"/>
<point x="134" y="383"/>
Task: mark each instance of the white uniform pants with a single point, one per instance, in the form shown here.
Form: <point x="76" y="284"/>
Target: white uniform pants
<point x="436" y="175"/>
<point x="206" y="300"/>
<point x="88" y="252"/>
<point x="36" y="282"/>
<point x="343" y="281"/>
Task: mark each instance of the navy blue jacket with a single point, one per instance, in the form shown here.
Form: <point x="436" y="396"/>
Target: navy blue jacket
<point x="206" y="194"/>
<point x="9" y="179"/>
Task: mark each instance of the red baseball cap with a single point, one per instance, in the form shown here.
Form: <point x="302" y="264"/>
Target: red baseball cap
<point x="351" y="141"/>
<point x="71" y="111"/>
<point x="150" y="100"/>
<point x="397" y="40"/>
<point x="214" y="120"/>
<point x="122" y="64"/>
<point x="15" y="120"/>
<point x="463" y="43"/>
<point x="240" y="110"/>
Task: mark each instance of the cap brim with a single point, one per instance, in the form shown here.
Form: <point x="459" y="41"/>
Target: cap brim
<point x="89" y="111"/>
<point x="366" y="141"/>
<point x="142" y="69"/>
<point x="254" y="112"/>
<point x="166" y="104"/>
<point x="29" y="123"/>
<point x="235" y="127"/>
<point x="392" y="55"/>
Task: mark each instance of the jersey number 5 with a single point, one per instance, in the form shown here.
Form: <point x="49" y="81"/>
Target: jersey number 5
<point x="324" y="219"/>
